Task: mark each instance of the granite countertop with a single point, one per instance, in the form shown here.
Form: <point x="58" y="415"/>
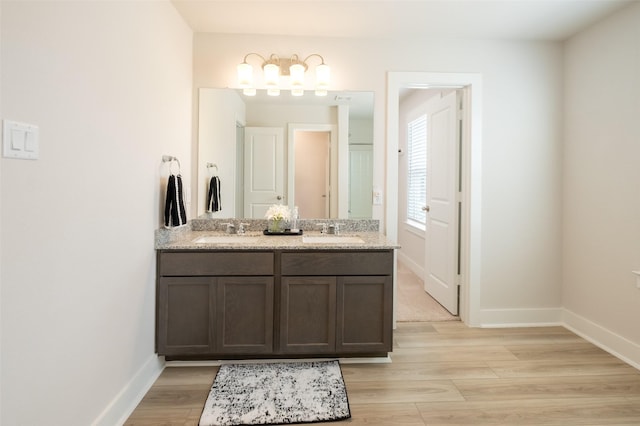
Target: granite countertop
<point x="186" y="240"/>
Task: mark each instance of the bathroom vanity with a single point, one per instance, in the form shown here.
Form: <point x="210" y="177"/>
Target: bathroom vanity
<point x="259" y="296"/>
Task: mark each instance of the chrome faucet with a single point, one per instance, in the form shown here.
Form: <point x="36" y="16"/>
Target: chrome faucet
<point x="336" y="228"/>
<point x="241" y="229"/>
<point x="231" y="228"/>
<point x="324" y="228"/>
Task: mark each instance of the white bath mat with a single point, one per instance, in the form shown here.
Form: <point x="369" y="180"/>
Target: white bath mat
<point x="276" y="393"/>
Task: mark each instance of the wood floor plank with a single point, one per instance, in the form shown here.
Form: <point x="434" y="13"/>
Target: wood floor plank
<point x="450" y="354"/>
<point x="561" y="367"/>
<point x="556" y="351"/>
<point x="415" y="327"/>
<point x="383" y="415"/>
<point x="416" y="371"/>
<point x="483" y="338"/>
<point x="177" y="396"/>
<point x="164" y="417"/>
<point x="559" y="387"/>
<point x="187" y="376"/>
<point x="402" y="392"/>
<point x="459" y="327"/>
<point x="547" y="412"/>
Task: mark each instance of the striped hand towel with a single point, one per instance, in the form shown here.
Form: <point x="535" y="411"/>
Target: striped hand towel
<point x="214" y="203"/>
<point x="174" y="211"/>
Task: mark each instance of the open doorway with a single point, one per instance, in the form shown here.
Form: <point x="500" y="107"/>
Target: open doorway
<point x="429" y="192"/>
<point x="470" y="86"/>
<point x="312" y="162"/>
<point x="429" y="204"/>
<point x="318" y="162"/>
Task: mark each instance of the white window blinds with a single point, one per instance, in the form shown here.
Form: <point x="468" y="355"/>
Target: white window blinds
<point x="417" y="170"/>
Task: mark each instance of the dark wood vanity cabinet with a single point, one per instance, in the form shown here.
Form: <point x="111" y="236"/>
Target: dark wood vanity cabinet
<point x="337" y="302"/>
<point x="308" y="315"/>
<point x="234" y="304"/>
<point x="227" y="311"/>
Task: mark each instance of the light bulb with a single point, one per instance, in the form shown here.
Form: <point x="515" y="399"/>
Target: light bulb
<point x="323" y="75"/>
<point x="296" y="71"/>
<point x="245" y="75"/>
<point x="271" y="75"/>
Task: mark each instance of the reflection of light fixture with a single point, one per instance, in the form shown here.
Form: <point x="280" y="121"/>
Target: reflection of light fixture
<point x="274" y="67"/>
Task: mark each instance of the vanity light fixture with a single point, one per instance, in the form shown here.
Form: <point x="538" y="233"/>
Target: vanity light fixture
<point x="274" y="67"/>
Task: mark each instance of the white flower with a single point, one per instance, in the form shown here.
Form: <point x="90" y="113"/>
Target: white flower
<point x="278" y="212"/>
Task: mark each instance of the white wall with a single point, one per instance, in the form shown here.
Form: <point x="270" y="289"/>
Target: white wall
<point x="220" y="111"/>
<point x="601" y="221"/>
<point x="521" y="183"/>
<point x="360" y="131"/>
<point x="110" y="85"/>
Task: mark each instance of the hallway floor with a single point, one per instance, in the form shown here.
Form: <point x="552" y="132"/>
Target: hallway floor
<point x="414" y="304"/>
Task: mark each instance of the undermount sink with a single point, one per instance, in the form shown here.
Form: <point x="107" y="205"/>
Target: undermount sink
<point x="225" y="239"/>
<point x="332" y="239"/>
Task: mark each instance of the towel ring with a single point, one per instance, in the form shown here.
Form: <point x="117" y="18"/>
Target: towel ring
<point x="171" y="159"/>
<point x="211" y="166"/>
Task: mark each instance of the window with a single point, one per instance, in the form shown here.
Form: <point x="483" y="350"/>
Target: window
<point x="417" y="171"/>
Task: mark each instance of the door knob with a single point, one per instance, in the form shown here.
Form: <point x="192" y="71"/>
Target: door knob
<point x="426" y="209"/>
<point x="279" y="197"/>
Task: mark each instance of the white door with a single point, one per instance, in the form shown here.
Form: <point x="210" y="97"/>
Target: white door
<point x="263" y="170"/>
<point x="360" y="181"/>
<point x="441" y="238"/>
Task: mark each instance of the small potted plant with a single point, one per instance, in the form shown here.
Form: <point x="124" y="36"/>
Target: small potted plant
<point x="277" y="215"/>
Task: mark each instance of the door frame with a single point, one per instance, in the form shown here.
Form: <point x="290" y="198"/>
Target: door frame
<point x="470" y="85"/>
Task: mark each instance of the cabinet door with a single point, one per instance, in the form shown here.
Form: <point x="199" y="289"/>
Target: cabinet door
<point x="365" y="306"/>
<point x="308" y="315"/>
<point x="186" y="313"/>
<point x="245" y="315"/>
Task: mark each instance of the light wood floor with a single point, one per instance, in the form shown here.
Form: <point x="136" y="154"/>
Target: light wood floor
<point x="414" y="304"/>
<point x="445" y="373"/>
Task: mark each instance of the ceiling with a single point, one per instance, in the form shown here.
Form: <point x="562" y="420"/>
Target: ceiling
<point x="498" y="19"/>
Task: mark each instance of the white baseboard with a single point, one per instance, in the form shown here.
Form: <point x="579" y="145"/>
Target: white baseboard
<point x="415" y="267"/>
<point x="537" y="317"/>
<point x="605" y="339"/>
<point x="121" y="407"/>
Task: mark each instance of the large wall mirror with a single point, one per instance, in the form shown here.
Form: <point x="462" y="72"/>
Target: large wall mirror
<point x="312" y="152"/>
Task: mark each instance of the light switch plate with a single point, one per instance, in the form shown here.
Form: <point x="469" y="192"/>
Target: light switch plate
<point x="377" y="197"/>
<point x="20" y="140"/>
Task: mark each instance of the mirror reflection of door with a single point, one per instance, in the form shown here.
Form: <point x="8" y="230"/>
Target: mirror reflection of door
<point x="263" y="170"/>
<point x="312" y="170"/>
<point x="360" y="181"/>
